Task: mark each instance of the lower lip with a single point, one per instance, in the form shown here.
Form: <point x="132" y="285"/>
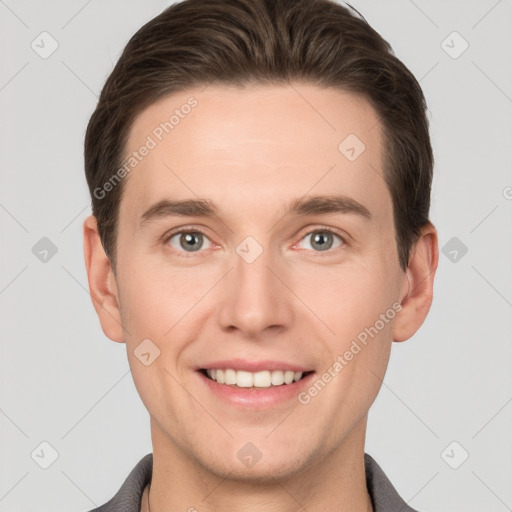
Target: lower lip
<point x="259" y="398"/>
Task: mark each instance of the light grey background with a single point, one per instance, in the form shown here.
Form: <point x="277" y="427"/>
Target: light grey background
<point x="63" y="382"/>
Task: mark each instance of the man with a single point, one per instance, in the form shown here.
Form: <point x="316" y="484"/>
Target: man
<point x="260" y="175"/>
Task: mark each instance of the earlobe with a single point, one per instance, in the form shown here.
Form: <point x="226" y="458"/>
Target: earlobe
<point x="420" y="274"/>
<point x="102" y="285"/>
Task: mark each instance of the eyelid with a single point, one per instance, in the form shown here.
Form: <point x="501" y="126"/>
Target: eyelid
<point x="183" y="229"/>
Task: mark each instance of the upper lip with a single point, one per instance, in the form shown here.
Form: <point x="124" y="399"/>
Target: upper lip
<point x="253" y="366"/>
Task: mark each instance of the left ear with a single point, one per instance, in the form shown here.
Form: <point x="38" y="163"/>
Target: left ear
<point x="420" y="273"/>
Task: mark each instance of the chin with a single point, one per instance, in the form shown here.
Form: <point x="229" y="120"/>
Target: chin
<point x="263" y="466"/>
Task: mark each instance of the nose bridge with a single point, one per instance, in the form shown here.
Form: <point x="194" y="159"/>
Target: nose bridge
<point x="255" y="299"/>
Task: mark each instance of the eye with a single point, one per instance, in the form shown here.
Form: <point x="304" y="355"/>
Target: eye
<point x="189" y="241"/>
<point x="323" y="240"/>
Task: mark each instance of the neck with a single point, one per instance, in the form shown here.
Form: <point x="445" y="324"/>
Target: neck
<point x="336" y="482"/>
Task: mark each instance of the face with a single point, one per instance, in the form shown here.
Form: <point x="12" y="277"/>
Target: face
<point x="253" y="248"/>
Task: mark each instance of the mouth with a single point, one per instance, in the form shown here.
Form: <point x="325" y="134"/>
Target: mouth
<point x="254" y="384"/>
<point x="254" y="380"/>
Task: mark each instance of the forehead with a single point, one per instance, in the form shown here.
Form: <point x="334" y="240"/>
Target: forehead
<point x="256" y="145"/>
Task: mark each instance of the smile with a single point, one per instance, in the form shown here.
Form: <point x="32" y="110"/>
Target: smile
<point x="246" y="379"/>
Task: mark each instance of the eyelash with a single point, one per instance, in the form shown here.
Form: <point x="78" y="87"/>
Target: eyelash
<point x="320" y="229"/>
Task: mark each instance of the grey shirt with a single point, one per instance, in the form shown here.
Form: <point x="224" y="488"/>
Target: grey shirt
<point x="128" y="498"/>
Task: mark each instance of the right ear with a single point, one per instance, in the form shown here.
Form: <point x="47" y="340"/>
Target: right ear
<point x="102" y="283"/>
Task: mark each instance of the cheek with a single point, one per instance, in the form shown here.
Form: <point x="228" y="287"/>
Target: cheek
<point x="154" y="298"/>
<point x="157" y="310"/>
<point x="357" y="305"/>
<point x="348" y="298"/>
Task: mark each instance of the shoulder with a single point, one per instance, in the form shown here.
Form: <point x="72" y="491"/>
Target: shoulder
<point x="384" y="496"/>
<point x="128" y="497"/>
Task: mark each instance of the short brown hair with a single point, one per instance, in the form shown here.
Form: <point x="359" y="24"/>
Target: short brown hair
<point x="237" y="42"/>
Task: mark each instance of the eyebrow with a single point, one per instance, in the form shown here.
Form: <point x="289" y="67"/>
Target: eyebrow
<point x="310" y="205"/>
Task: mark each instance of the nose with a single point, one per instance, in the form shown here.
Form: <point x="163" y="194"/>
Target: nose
<point x="255" y="298"/>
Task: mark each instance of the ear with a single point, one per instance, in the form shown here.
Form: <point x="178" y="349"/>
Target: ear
<point x="102" y="284"/>
<point x="417" y="300"/>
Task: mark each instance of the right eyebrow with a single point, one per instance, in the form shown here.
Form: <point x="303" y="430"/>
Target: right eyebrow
<point x="182" y="208"/>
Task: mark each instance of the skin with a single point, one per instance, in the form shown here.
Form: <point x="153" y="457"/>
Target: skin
<point x="251" y="151"/>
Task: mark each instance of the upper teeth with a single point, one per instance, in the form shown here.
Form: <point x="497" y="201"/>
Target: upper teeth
<point x="263" y="379"/>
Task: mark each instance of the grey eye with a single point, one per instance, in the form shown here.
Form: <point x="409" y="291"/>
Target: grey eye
<point x="191" y="241"/>
<point x="322" y="240"/>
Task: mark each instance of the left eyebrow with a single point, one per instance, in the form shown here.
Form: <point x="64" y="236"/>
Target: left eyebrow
<point x="317" y="205"/>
